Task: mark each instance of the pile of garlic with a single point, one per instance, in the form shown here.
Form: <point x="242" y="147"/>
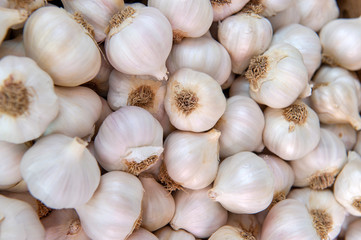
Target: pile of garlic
<point x="192" y="119"/>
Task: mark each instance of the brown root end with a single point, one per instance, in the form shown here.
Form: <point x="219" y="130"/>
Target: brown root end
<point x="322" y="222"/>
<point x="220" y="2"/>
<point x="257" y="69"/>
<point x="296" y="113"/>
<point x="142" y="96"/>
<point x="178" y="36"/>
<point x="136" y="168"/>
<point x="247" y="235"/>
<point x="253" y="6"/>
<point x="357" y="204"/>
<point x="30" y="143"/>
<point x="78" y="17"/>
<point x="119" y="18"/>
<point x="26" y="4"/>
<point x="165" y="179"/>
<point x="186" y="101"/>
<point x="278" y="197"/>
<point x="138" y="222"/>
<point x="42" y="210"/>
<point x="321" y="181"/>
<point x="326" y="59"/>
<point x="318" y="85"/>
<point x="14" y="98"/>
<point x="74" y="227"/>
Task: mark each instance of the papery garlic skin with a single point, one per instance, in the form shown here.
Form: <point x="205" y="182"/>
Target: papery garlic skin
<point x="244" y="36"/>
<point x="344" y="132"/>
<point x="130" y="139"/>
<point x="19" y="220"/>
<point x="60" y="171"/>
<point x="203" y="54"/>
<point x="28" y="102"/>
<point x="13" y="47"/>
<point x="141" y="234"/>
<point x="353" y="231"/>
<point x="113" y="211"/>
<point x="167" y="233"/>
<point x="80" y="56"/>
<point x="190" y="18"/>
<point x="278" y="76"/>
<point x="196" y="213"/>
<point x="241" y="126"/>
<point x="247" y="224"/>
<point x="194" y="101"/>
<point x="286" y="17"/>
<point x="291" y="132"/>
<point x="126" y="47"/>
<point x="223" y="9"/>
<point x="10" y="17"/>
<point x="244" y="184"/>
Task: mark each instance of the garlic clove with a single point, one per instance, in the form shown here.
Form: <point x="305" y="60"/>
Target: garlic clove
<point x="142" y="234"/>
<point x="344" y="132"/>
<point x="167" y="233"/>
<point x="10" y="17"/>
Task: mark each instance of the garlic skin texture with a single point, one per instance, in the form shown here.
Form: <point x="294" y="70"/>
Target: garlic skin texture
<point x="244" y="36"/>
<point x="291" y="132"/>
<point x="244" y="184"/>
<point x="128" y="51"/>
<point x="97" y="13"/>
<point x="167" y="233"/>
<point x="203" y="54"/>
<point x="273" y="7"/>
<point x="241" y="126"/>
<point x="223" y="9"/>
<point x="339" y="50"/>
<point x="353" y="231"/>
<point x="305" y="40"/>
<point x="191" y="18"/>
<point x="80" y="56"/>
<point x="13" y="47"/>
<point x="240" y="86"/>
<point x="192" y="159"/>
<point x="344" y="132"/>
<point x="28" y="102"/>
<point x="196" y="213"/>
<point x="278" y="76"/>
<point x="113" y="211"/>
<point x="10" y="17"/>
<point x="141" y="234"/>
<point x="230" y="232"/>
<point x="335" y="97"/>
<point x="347" y="189"/>
<point x="79" y="109"/>
<point x="194" y="101"/>
<point x="19" y="221"/>
<point x="286" y="17"/>
<point x="60" y="171"/>
<point x="247" y="224"/>
<point x="130" y="139"/>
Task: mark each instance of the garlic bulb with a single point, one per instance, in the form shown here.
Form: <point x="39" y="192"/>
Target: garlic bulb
<point x="10" y="17"/>
<point x="328" y="215"/>
<point x="286" y="17"/>
<point x="157" y="206"/>
<point x="273" y="7"/>
<point x="196" y="213"/>
<point x="241" y="126"/>
<point x="141" y="91"/>
<point x="142" y="234"/>
<point x="191" y="159"/>
<point x="80" y="108"/>
<point x="247" y="223"/>
<point x="344" y="132"/>
<point x="60" y="171"/>
<point x="353" y="231"/>
<point x="337" y="49"/>
<point x="114" y="211"/>
<point x="203" y="54"/>
<point x="278" y="76"/>
<point x="96" y="13"/>
<point x="305" y="40"/>
<point x="244" y="184"/>
<point x="194" y="101"/>
<point x="13" y="47"/>
<point x="244" y="36"/>
<point x="230" y="232"/>
<point x="335" y="97"/>
<point x="63" y="224"/>
<point x="315" y="14"/>
<point x="130" y="139"/>
<point x="190" y="18"/>
<point x="226" y="8"/>
<point x="229" y="81"/>
<point x="167" y="233"/>
<point x="139" y="42"/>
<point x="347" y="189"/>
<point x="27" y="100"/>
<point x="105" y="111"/>
<point x="240" y="86"/>
<point x="291" y="132"/>
<point x="283" y="177"/>
<point x="19" y="220"/>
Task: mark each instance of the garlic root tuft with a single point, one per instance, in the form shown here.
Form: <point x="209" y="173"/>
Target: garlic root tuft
<point x="168" y="183"/>
<point x="136" y="168"/>
<point x="186" y="101"/>
<point x="142" y="96"/>
<point x="42" y="210"/>
<point x="322" y="180"/>
<point x="257" y="70"/>
<point x="79" y="18"/>
<point x="119" y="18"/>
<point x="357" y="204"/>
<point x="277" y="197"/>
<point x="322" y="222"/>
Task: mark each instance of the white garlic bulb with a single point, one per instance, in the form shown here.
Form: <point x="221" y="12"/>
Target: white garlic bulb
<point x="13" y="47"/>
<point x="10" y="17"/>
<point x="27" y="100"/>
<point x="273" y="7"/>
<point x="105" y="111"/>
<point x="347" y="189"/>
<point x="190" y="18"/>
<point x="229" y="81"/>
<point x="244" y="184"/>
<point x="142" y="234"/>
<point x="241" y="126"/>
<point x="191" y="159"/>
<point x="194" y="101"/>
<point x="95" y="12"/>
<point x="344" y="132"/>
<point x="167" y="233"/>
<point x="80" y="108"/>
<point x="353" y="231"/>
<point x="248" y="225"/>
<point x="286" y="17"/>
<point x="80" y="56"/>
<point x="196" y="213"/>
<point x="60" y="171"/>
<point x="19" y="220"/>
<point x="240" y="86"/>
<point x="226" y="8"/>
<point x="244" y="36"/>
<point x="291" y="132"/>
<point x="203" y="54"/>
<point x="114" y="211"/>
<point x="157" y="205"/>
<point x="126" y="47"/>
<point x="305" y="40"/>
<point x="278" y="76"/>
<point x="335" y="97"/>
